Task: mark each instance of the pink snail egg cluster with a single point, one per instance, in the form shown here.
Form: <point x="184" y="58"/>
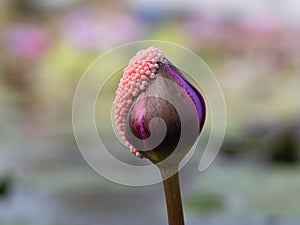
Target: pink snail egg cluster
<point x="136" y="77"/>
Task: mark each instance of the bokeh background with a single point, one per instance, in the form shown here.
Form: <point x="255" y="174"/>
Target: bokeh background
<point x="253" y="47"/>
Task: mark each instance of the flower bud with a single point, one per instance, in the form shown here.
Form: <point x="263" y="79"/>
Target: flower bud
<point x="157" y="110"/>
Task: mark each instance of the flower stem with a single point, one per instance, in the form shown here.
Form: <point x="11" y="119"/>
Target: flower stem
<point x="173" y="195"/>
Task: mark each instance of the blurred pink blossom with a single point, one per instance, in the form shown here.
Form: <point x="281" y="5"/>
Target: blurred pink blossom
<point x="25" y="40"/>
<point x="92" y="31"/>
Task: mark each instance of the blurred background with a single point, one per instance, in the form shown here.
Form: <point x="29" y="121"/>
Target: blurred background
<point x="253" y="47"/>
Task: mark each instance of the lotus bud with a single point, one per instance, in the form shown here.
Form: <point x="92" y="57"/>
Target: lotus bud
<point x="157" y="110"/>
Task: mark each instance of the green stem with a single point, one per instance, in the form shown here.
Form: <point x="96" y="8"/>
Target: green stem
<point x="173" y="196"/>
